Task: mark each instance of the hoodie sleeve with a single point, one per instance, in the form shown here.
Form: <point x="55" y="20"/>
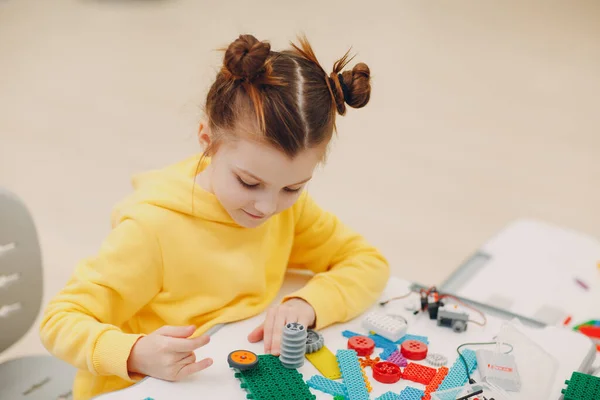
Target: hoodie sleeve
<point x="81" y="323"/>
<point x="350" y="273"/>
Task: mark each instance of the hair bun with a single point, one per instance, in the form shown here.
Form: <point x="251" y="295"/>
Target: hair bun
<point x="246" y="56"/>
<point x="358" y="85"/>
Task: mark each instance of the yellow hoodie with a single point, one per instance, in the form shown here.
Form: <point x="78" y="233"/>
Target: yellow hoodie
<point x="173" y="258"/>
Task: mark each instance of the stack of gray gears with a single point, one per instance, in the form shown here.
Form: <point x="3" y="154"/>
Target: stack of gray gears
<point x="296" y="341"/>
<point x="293" y="345"/>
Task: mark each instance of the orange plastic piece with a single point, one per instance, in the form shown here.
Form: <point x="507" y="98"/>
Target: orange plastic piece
<point x="435" y="382"/>
<point x="243" y="357"/>
<point x="419" y="373"/>
<point x="368" y="361"/>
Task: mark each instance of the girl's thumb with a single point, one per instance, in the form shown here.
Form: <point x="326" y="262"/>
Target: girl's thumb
<point x="176" y="331"/>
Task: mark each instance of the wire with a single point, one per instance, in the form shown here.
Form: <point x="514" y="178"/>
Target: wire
<point x="442" y="296"/>
<point x="449" y="296"/>
<point x="383" y="303"/>
<point x="476" y="344"/>
<point x="468" y="396"/>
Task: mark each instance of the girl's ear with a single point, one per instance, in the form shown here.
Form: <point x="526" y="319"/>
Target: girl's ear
<point x="204" y="135"/>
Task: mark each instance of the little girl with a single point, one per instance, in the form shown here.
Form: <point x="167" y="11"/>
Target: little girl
<point x="208" y="240"/>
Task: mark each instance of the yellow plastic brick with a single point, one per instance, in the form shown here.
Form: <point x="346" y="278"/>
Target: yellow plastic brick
<point x="367" y="383"/>
<point x="326" y="362"/>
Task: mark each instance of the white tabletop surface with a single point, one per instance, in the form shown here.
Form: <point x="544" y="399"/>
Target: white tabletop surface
<point x="534" y="266"/>
<point x="218" y="381"/>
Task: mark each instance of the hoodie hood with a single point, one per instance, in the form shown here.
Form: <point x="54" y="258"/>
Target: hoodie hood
<point x="174" y="188"/>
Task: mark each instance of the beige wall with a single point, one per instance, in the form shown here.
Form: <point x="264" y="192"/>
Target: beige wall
<point x="482" y="112"/>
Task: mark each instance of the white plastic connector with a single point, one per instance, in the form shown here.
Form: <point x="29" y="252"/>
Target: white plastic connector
<point x="388" y="327"/>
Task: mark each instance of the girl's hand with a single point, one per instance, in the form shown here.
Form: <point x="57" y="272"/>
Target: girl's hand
<point x="168" y="354"/>
<point x="293" y="310"/>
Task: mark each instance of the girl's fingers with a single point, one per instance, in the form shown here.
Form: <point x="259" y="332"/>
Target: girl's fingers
<point x="188" y="359"/>
<point x="268" y="329"/>
<point x="192" y="368"/>
<point x="281" y="319"/>
<point x="257" y="334"/>
<point x="188" y="345"/>
<point x="305" y="321"/>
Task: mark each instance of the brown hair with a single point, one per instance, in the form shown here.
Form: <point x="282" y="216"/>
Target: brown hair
<point x="288" y="94"/>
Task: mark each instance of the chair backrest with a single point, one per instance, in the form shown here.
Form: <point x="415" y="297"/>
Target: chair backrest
<point x="21" y="274"/>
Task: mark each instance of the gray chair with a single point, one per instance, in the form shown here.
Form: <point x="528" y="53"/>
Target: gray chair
<point x="39" y="377"/>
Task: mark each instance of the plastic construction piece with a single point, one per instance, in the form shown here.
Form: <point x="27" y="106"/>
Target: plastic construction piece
<point x="368" y="361"/>
<point x="352" y="375"/>
<point x="270" y="380"/>
<point x="435" y="382"/>
<point x="339" y="398"/>
<point x="389" y="396"/>
<point x="348" y="334"/>
<point x="418" y="338"/>
<point x="453" y="317"/>
<point x="582" y="387"/>
<point x="314" y="341"/>
<point x="385" y="326"/>
<point x="386" y="372"/>
<point x="436" y="359"/>
<point x="387" y="345"/>
<point x="366" y="379"/>
<point x="242" y="359"/>
<point x="293" y="345"/>
<point x="382" y="342"/>
<point x="363" y="345"/>
<point x="418" y="373"/>
<point x="387" y="353"/>
<point x="414" y="350"/>
<point x="457" y="375"/>
<point x="326" y="362"/>
<point x="590" y="330"/>
<point x="397" y="358"/>
<point x="327" y="386"/>
<point x="411" y="393"/>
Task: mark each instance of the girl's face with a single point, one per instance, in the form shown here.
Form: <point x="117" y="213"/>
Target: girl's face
<point x="254" y="181"/>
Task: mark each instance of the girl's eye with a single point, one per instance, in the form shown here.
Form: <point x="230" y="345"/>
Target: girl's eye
<point x="245" y="184"/>
<point x="289" y="190"/>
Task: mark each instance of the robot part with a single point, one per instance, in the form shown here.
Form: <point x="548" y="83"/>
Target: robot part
<point x="293" y="345"/>
<point x="452" y="317"/>
<point x="433" y="303"/>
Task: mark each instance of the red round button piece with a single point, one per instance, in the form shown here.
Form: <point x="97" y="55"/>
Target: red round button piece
<point x="386" y="372"/>
<point x="414" y="350"/>
<point x="363" y="345"/>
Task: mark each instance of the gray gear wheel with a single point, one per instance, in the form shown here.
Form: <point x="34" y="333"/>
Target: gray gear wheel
<point x="314" y="341"/>
<point x="436" y="359"/>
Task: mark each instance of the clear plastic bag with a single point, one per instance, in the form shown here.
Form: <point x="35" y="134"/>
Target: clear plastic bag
<point x="534" y="367"/>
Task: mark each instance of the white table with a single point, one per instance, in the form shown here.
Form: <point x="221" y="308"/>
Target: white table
<point x="218" y="381"/>
<point x="529" y="268"/>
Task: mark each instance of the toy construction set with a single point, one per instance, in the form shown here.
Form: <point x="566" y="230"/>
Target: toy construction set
<point x="388" y="352"/>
